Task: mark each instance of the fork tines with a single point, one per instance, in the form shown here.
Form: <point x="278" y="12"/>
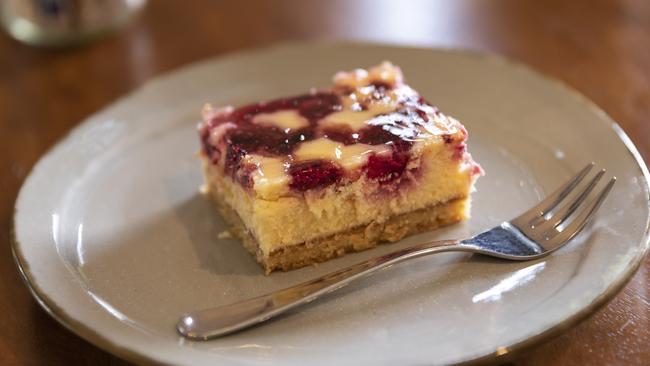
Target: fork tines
<point x="565" y="212"/>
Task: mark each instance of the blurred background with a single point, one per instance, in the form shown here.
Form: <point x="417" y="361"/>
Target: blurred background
<point x="61" y="61"/>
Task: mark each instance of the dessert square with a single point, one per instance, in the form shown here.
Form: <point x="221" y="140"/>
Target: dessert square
<point x="308" y="178"/>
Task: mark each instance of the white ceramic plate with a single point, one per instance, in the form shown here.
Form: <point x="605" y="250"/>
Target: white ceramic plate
<point x="116" y="242"/>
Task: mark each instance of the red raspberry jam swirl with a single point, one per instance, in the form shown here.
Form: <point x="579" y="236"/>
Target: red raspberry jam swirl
<point x="398" y="129"/>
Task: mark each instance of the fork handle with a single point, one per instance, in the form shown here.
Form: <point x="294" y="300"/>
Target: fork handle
<point x="215" y="322"/>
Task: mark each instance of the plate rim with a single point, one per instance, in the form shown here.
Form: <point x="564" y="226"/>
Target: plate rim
<point x="501" y="353"/>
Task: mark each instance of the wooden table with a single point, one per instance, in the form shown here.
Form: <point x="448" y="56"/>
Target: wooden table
<point x="602" y="48"/>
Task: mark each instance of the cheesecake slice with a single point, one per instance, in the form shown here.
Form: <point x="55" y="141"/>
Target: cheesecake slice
<point x="308" y="178"/>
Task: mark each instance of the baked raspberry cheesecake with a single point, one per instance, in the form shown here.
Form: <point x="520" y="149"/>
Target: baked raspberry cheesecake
<point x="308" y="178"/>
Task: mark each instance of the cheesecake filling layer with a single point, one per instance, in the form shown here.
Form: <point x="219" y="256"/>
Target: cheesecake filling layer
<point x="355" y="239"/>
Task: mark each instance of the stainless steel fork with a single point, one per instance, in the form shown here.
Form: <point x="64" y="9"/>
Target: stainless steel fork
<point x="534" y="234"/>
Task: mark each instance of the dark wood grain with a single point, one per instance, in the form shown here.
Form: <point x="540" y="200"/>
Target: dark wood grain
<point x="599" y="47"/>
